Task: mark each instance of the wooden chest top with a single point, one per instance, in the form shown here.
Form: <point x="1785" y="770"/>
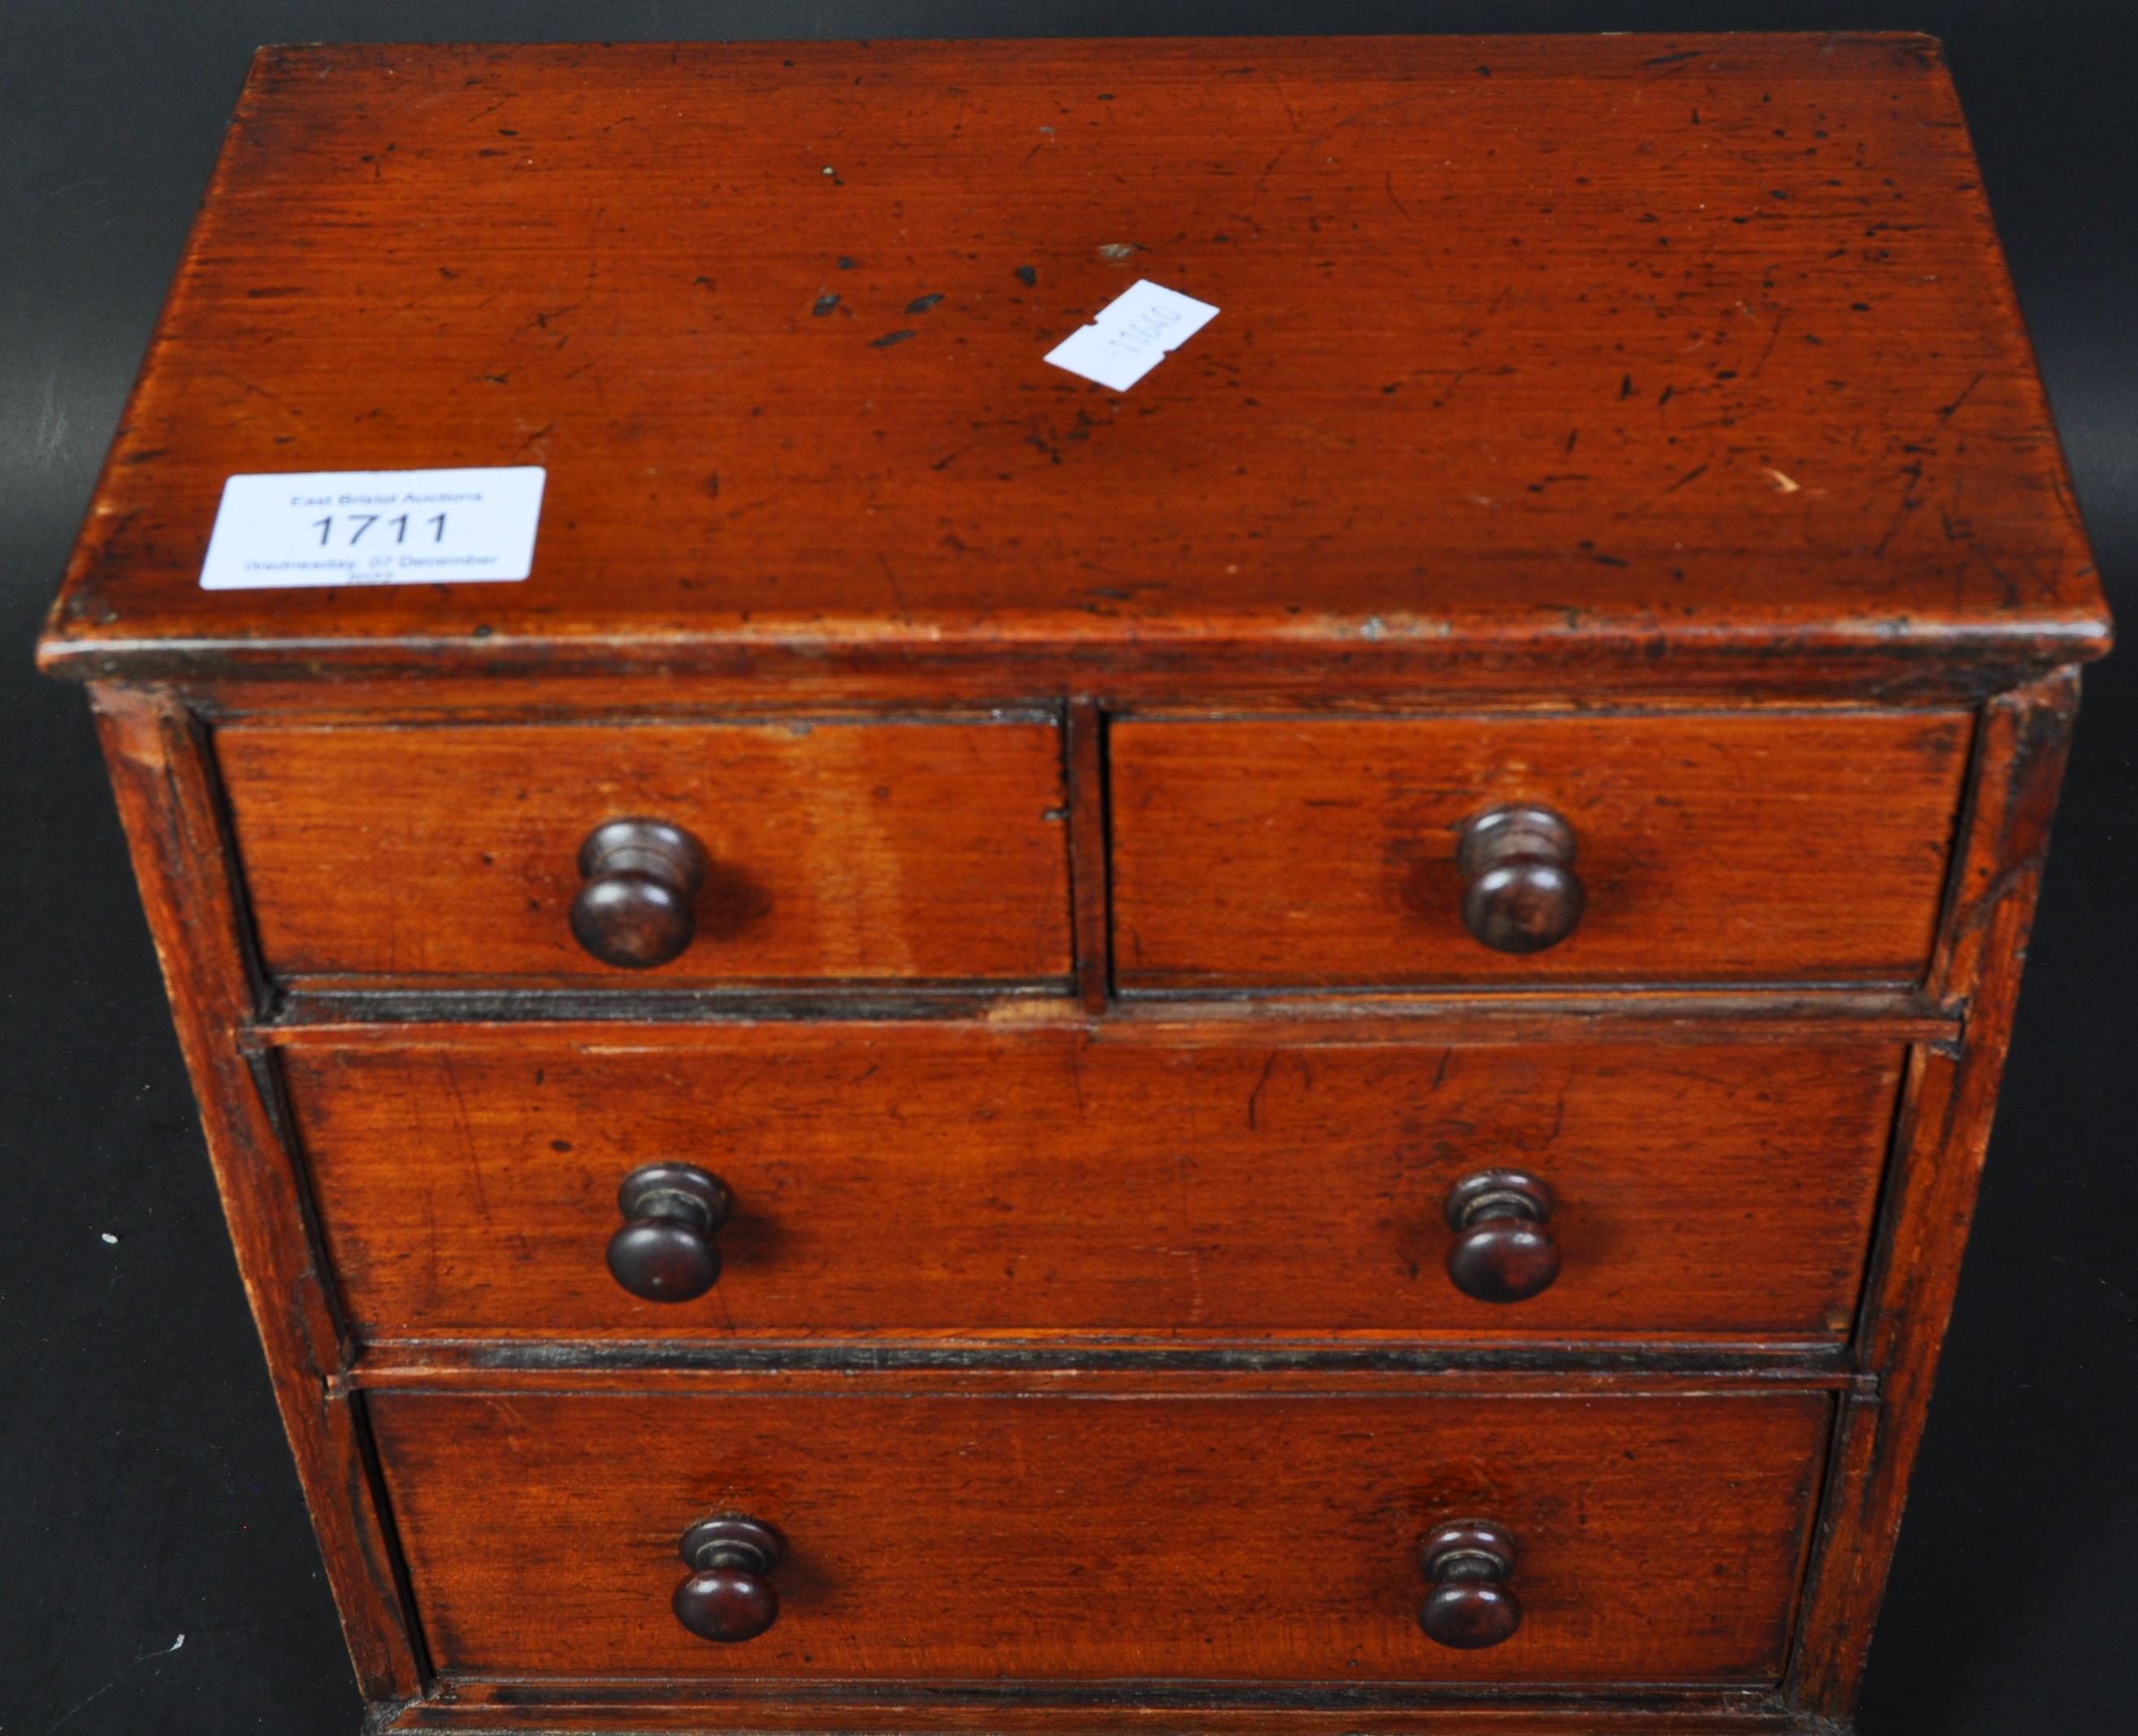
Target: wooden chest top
<point x="1566" y="363"/>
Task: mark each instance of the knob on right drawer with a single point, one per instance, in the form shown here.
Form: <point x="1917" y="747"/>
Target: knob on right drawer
<point x="1471" y="1604"/>
<point x="1520" y="892"/>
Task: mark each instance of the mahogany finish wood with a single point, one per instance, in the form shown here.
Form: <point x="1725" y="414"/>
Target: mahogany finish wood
<point x="1610" y="545"/>
<point x="837" y="852"/>
<point x="1563" y="362"/>
<point x="1943" y="1137"/>
<point x="164" y="785"/>
<point x="938" y="1176"/>
<point x="968" y="1537"/>
<point x="1747" y="848"/>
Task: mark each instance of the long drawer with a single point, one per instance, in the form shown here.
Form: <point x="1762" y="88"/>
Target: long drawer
<point x="1214" y="1535"/>
<point x="458" y="855"/>
<point x="947" y="1177"/>
<point x="1746" y="848"/>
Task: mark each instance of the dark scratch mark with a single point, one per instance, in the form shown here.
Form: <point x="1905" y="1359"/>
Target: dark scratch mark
<point x="1254" y="1096"/>
<point x="1914" y="473"/>
<point x="888" y="339"/>
<point x="1697" y="470"/>
<point x="921" y="304"/>
<point x="1947" y="413"/>
<point x="2007" y="587"/>
<point x="891" y="578"/>
<point x="1774" y="338"/>
<point x="1559" y="1114"/>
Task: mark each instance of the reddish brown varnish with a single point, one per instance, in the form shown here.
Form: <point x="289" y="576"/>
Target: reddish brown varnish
<point x="451" y="856"/>
<point x="1752" y="848"/>
<point x="1637" y="356"/>
<point x="1079" y="995"/>
<point x="1209" y="1537"/>
<point x="942" y="1178"/>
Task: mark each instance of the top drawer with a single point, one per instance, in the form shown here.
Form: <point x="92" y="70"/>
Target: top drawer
<point x="377" y="857"/>
<point x="1731" y="848"/>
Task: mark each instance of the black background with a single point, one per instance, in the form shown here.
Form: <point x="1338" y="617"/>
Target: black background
<point x="145" y="1491"/>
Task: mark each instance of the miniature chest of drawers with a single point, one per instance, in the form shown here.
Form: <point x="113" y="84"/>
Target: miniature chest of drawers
<point x="1301" y="1047"/>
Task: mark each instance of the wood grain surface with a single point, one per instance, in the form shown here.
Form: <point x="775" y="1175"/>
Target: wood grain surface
<point x="1640" y="428"/>
<point x="1775" y="848"/>
<point x="839" y="852"/>
<point x="1559" y="363"/>
<point x="1208" y="1537"/>
<point x="164" y="781"/>
<point x="961" y="1178"/>
<point x="1949" y="1105"/>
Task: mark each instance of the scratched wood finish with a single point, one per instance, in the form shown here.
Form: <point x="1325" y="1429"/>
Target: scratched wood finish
<point x="1713" y="849"/>
<point x="1641" y="378"/>
<point x="1209" y="1537"/>
<point x="938" y="1178"/>
<point x="1556" y="363"/>
<point x="839" y="852"/>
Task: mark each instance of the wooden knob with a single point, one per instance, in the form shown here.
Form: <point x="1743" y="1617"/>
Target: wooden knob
<point x="635" y="908"/>
<point x="1519" y="893"/>
<point x="666" y="1251"/>
<point x="1471" y="1604"/>
<point x="727" y="1597"/>
<point x="1502" y="1250"/>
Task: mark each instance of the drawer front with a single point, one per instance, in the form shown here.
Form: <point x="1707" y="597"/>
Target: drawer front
<point x="451" y="855"/>
<point x="1709" y="849"/>
<point x="1234" y="1538"/>
<point x="888" y="1177"/>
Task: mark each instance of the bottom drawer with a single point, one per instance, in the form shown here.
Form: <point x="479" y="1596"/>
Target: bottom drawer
<point x="1207" y="1534"/>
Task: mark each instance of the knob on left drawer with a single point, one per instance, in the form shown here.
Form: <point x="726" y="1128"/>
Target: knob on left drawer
<point x="1503" y="1250"/>
<point x="666" y="1251"/>
<point x="641" y="877"/>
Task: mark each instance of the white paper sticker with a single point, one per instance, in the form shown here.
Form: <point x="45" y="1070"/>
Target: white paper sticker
<point x="374" y="527"/>
<point x="1132" y="334"/>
